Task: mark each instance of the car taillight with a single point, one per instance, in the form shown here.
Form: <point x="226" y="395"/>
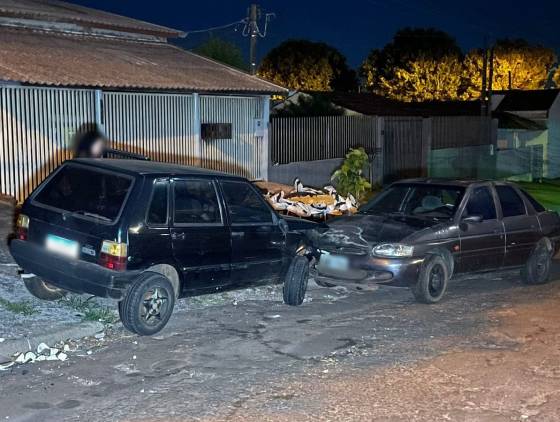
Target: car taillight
<point x="22" y="227"/>
<point x="113" y="255"/>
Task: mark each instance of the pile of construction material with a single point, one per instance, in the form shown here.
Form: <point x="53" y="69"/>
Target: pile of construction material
<point x="307" y="202"/>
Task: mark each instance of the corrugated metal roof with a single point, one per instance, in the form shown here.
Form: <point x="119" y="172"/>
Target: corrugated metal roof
<point x="34" y="57"/>
<point x="62" y="12"/>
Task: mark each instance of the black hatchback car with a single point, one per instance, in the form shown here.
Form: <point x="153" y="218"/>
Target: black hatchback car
<point x="418" y="233"/>
<point x="146" y="233"/>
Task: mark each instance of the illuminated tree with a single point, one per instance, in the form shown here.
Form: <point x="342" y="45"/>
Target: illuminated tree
<point x="425" y="79"/>
<point x="409" y="45"/>
<point x="222" y="51"/>
<point x="557" y="78"/>
<point x="527" y="66"/>
<point x="309" y="66"/>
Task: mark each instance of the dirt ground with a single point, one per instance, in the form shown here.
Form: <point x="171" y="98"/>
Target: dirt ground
<point x="518" y="378"/>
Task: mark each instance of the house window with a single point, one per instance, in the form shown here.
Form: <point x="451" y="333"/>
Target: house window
<point x="211" y="131"/>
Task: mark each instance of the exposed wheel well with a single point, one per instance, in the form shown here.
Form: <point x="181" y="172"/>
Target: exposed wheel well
<point x="171" y="273"/>
<point x="447" y="257"/>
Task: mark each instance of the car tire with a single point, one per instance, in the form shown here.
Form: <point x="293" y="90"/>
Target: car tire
<point x="43" y="290"/>
<point x="148" y="304"/>
<point x="295" y="282"/>
<point x="537" y="268"/>
<point x="432" y="280"/>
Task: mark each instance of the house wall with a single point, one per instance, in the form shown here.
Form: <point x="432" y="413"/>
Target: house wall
<point x="37" y="127"/>
<point x="553" y="125"/>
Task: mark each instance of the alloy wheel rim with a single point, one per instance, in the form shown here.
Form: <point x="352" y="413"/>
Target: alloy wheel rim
<point x="154" y="306"/>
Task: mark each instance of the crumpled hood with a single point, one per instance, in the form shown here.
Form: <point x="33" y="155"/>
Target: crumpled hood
<point x="361" y="231"/>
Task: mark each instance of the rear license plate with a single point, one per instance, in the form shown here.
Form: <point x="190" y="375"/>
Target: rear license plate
<point x="334" y="262"/>
<point x="62" y="246"/>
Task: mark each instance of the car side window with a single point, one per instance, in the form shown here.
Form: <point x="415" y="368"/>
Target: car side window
<point x="157" y="213"/>
<point x="245" y="205"/>
<point x="481" y="203"/>
<point x="536" y="205"/>
<point x="511" y="202"/>
<point x="196" y="202"/>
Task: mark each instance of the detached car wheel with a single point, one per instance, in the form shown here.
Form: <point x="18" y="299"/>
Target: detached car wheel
<point x="537" y="268"/>
<point x="432" y="280"/>
<point x="148" y="304"/>
<point x="43" y="290"/>
<point x="295" y="283"/>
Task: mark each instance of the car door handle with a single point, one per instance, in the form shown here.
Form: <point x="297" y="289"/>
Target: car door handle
<point x="178" y="236"/>
<point x="238" y="234"/>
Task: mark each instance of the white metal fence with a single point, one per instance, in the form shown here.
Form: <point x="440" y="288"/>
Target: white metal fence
<point x="37" y="126"/>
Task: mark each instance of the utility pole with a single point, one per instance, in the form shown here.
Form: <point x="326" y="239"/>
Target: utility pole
<point x="254" y="32"/>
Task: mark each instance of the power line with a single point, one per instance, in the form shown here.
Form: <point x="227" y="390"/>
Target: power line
<point x="215" y="28"/>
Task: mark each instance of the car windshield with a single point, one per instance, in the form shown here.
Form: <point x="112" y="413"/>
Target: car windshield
<point x="87" y="192"/>
<point x="417" y="200"/>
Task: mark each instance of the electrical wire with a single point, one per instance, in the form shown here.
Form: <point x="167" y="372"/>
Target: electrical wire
<point x="215" y="28"/>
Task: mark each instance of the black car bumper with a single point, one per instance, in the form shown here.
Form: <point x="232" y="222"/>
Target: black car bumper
<point x="69" y="274"/>
<point x="367" y="271"/>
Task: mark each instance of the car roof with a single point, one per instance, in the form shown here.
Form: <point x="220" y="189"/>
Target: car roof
<point x="447" y="182"/>
<point x="152" y="168"/>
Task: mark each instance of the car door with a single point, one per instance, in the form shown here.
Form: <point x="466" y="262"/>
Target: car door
<point x="199" y="235"/>
<point x="482" y="243"/>
<point x="256" y="237"/>
<point x="521" y="228"/>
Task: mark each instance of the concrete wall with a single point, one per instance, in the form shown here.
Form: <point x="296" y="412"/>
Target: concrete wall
<point x="311" y="173"/>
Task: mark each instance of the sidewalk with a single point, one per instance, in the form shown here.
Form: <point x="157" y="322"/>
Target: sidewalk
<point x="26" y="321"/>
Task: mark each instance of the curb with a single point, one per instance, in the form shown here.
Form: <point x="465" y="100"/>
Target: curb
<point x="50" y="337"/>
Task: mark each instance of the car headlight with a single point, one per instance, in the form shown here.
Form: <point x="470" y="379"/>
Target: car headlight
<point x="393" y="250"/>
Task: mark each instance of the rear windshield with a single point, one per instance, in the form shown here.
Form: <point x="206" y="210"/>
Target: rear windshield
<point x="87" y="192"/>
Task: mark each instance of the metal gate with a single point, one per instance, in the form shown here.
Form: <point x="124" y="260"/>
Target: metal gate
<point x="36" y="130"/>
<point x="405" y="149"/>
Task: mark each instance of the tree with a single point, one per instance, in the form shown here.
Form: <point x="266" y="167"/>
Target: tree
<point x="425" y="79"/>
<point x="309" y="105"/>
<point x="556" y="77"/>
<point x="222" y="51"/>
<point x="308" y="66"/>
<point x="384" y="67"/>
<point x="527" y="65"/>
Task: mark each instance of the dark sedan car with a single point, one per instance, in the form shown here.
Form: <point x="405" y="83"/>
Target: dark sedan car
<point x="419" y="233"/>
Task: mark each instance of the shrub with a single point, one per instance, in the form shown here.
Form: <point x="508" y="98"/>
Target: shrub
<point x="348" y="179"/>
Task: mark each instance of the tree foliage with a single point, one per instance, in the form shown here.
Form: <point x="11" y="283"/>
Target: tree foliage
<point x="556" y="77"/>
<point x="409" y="45"/>
<point x="426" y="79"/>
<point x="222" y="51"/>
<point x="309" y="105"/>
<point x="348" y="178"/>
<point x="529" y="66"/>
<point x="427" y="64"/>
<point x="308" y="66"/>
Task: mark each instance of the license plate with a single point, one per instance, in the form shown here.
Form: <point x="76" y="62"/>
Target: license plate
<point x="334" y="262"/>
<point x="62" y="246"/>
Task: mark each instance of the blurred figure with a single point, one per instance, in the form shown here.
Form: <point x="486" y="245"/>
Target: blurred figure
<point x="89" y="143"/>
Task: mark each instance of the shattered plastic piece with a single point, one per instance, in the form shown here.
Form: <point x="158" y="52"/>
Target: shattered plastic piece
<point x="2" y="339"/>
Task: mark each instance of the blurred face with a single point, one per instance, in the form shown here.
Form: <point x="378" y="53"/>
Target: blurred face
<point x="97" y="148"/>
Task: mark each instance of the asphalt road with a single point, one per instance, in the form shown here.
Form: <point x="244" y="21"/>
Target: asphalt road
<point x="208" y="362"/>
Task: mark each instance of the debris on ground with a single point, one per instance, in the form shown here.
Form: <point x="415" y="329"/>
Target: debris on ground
<point x="309" y="202"/>
<point x="42" y="353"/>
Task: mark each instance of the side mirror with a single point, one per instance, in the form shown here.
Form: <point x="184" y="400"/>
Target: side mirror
<point x="472" y="219"/>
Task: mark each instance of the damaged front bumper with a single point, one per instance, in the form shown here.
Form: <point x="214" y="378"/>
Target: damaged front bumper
<point x="369" y="271"/>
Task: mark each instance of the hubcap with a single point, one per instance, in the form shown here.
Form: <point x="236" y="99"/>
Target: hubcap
<point x="154" y="305"/>
<point x="436" y="281"/>
<point x="541" y="263"/>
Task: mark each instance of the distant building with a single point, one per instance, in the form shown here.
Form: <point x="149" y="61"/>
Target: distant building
<point x="63" y="66"/>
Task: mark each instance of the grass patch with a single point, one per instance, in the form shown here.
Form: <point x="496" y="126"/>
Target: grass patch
<point x="547" y="193"/>
<point x="22" y="308"/>
<point x="91" y="310"/>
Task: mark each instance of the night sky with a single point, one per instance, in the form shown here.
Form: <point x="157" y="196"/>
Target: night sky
<point x="353" y="26"/>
